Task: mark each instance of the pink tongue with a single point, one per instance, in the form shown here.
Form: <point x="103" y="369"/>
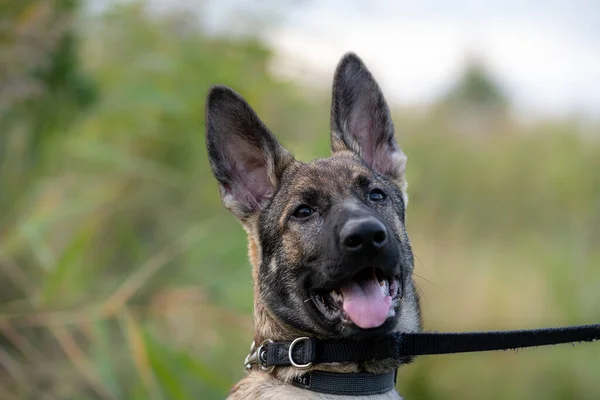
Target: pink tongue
<point x="365" y="303"/>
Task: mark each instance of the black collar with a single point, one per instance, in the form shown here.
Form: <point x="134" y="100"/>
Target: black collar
<point x="348" y="384"/>
<point x="304" y="352"/>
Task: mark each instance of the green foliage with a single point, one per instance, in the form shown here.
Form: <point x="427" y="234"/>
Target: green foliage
<point x="122" y="277"/>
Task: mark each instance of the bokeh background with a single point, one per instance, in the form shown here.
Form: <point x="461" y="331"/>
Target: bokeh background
<point x="123" y="277"/>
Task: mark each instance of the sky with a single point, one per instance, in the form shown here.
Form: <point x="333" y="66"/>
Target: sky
<point x="544" y="54"/>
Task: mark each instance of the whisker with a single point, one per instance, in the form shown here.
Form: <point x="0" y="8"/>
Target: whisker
<point x="425" y="279"/>
<point x="429" y="281"/>
<point x="419" y="259"/>
<point x="422" y="293"/>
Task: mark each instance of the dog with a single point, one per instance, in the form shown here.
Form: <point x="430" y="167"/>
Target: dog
<point x="330" y="255"/>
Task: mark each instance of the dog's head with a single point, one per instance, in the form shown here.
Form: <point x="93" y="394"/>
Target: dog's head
<point x="328" y="244"/>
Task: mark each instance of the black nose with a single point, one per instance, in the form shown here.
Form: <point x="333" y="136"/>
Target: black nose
<point x="364" y="235"/>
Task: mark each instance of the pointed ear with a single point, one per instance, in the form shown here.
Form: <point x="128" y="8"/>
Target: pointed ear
<point x="361" y="121"/>
<point x="244" y="156"/>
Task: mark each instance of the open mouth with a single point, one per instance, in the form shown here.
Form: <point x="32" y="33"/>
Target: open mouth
<point x="366" y="300"/>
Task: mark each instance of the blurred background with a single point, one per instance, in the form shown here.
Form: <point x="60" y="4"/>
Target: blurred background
<point x="123" y="277"/>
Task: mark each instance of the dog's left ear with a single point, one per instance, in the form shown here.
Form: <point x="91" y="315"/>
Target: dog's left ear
<point x="361" y="120"/>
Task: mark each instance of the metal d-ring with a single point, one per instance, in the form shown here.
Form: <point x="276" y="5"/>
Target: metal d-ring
<point x="291" y="349"/>
<point x="260" y="353"/>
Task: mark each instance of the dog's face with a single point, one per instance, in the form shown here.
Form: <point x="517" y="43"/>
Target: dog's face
<point x="331" y="254"/>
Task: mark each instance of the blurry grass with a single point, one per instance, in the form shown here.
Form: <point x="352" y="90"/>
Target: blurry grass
<point x="122" y="277"/>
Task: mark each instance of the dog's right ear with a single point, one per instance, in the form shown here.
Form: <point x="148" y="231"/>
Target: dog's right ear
<point x="244" y="155"/>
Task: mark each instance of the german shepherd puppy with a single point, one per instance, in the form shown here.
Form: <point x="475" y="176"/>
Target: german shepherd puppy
<point x="327" y="241"/>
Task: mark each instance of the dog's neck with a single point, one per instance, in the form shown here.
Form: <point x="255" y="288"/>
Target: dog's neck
<point x="267" y="327"/>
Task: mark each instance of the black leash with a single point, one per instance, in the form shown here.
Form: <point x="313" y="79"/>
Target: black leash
<point x="304" y="352"/>
<point x="448" y="343"/>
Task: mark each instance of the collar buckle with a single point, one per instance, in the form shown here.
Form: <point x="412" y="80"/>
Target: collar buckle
<point x="258" y="356"/>
<point x="252" y="357"/>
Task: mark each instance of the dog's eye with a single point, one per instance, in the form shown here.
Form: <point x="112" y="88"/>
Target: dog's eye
<point x="303" y="211"/>
<point x="377" y="195"/>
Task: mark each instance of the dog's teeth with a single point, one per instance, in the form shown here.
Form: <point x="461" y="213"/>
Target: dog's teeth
<point x="336" y="296"/>
<point x="395" y="288"/>
<point x="385" y="287"/>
